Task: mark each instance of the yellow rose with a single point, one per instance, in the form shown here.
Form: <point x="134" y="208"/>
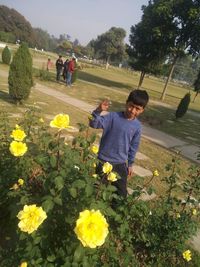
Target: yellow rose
<point x="20" y="181"/>
<point x="60" y="121"/>
<point x="178" y="215"/>
<point x="94" y="149"/>
<point x="91" y="228"/>
<point x="156" y="173"/>
<point x="30" y="218"/>
<point x="107" y="167"/>
<point x="18" y="149"/>
<point x="187" y="255"/>
<point x="23" y="264"/>
<point x="112" y="177"/>
<point x="18" y="135"/>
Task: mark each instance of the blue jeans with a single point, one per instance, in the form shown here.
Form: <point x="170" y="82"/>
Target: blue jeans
<point x="69" y="78"/>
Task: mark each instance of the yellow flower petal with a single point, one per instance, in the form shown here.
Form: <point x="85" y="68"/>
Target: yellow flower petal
<point x="60" y="121"/>
<point x="18" y="135"/>
<point x="187" y="255"/>
<point x="30" y="218"/>
<point x="156" y="173"/>
<point x="23" y="264"/>
<point x="20" y="181"/>
<point x="18" y="149"/>
<point x="91" y="228"/>
<point x="94" y="149"/>
<point x="112" y="177"/>
<point x="107" y="167"/>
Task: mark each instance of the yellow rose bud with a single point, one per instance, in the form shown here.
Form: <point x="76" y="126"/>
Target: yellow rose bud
<point x="90" y="117"/>
<point x="94" y="149"/>
<point x="178" y="215"/>
<point x="194" y="212"/>
<point x="41" y="120"/>
<point x="15" y="187"/>
<point x="156" y="173"/>
<point x="94" y="165"/>
<point x="94" y="175"/>
<point x="187" y="255"/>
<point x="20" y="181"/>
<point x="23" y="264"/>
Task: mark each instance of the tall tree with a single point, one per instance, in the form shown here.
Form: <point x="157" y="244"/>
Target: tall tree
<point x="170" y="27"/>
<point x="20" y="77"/>
<point x="110" y="44"/>
<point x="197" y="85"/>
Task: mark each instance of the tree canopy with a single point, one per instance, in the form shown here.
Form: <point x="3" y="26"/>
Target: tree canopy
<point x="110" y="44"/>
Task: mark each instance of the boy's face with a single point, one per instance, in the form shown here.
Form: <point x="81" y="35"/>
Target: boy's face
<point x="133" y="111"/>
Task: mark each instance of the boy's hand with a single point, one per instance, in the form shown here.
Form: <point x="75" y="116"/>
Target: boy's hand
<point x="103" y="106"/>
<point x="130" y="171"/>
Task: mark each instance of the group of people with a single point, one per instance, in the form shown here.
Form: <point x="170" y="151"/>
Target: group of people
<point x="65" y="69"/>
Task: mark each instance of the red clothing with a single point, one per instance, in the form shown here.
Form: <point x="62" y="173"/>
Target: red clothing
<point x="71" y="66"/>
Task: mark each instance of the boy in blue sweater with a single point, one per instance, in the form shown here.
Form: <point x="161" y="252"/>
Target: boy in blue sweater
<point x="121" y="136"/>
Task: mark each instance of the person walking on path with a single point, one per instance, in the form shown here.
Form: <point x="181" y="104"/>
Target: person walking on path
<point x="65" y="69"/>
<point x="121" y="136"/>
<point x="59" y="66"/>
<point x="71" y="68"/>
<point x="49" y="64"/>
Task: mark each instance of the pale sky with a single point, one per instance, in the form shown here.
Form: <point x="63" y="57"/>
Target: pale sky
<point x="81" y="19"/>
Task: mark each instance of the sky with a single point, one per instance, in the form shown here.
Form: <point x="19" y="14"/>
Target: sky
<point x="81" y="19"/>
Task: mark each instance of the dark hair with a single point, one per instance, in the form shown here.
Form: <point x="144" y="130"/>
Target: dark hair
<point x="138" y="97"/>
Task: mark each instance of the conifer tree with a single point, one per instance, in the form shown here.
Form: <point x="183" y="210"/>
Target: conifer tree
<point x="6" y="55"/>
<point x="20" y="78"/>
<point x="183" y="106"/>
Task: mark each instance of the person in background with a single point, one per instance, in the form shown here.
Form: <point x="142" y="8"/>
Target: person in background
<point x="49" y="64"/>
<point x="71" y="67"/>
<point x="59" y="66"/>
<point x="121" y="137"/>
<point x="65" y="69"/>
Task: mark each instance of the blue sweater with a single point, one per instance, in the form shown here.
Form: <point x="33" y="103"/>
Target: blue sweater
<point x="120" y="138"/>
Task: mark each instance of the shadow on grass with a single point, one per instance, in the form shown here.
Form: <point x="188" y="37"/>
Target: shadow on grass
<point x="102" y="81"/>
<point x="5" y="97"/>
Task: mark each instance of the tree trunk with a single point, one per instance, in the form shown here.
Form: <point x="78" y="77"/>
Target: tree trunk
<point x="168" y="78"/>
<point x="107" y="62"/>
<point x="197" y="92"/>
<point x="141" y="79"/>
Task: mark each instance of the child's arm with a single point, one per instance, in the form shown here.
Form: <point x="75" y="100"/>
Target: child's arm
<point x="132" y="151"/>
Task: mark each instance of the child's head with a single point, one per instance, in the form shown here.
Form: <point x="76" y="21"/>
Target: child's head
<point x="138" y="97"/>
<point x="135" y="104"/>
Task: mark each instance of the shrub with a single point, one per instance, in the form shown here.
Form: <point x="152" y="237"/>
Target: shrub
<point x="183" y="106"/>
<point x="6" y="55"/>
<point x="20" y="74"/>
<point x="55" y="212"/>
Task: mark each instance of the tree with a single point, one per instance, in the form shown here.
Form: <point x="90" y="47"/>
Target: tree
<point x="197" y="85"/>
<point x="20" y="74"/>
<point x="6" y="55"/>
<point x="172" y="28"/>
<point x="110" y="44"/>
<point x="183" y="106"/>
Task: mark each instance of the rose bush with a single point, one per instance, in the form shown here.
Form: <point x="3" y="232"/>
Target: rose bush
<point x="56" y="212"/>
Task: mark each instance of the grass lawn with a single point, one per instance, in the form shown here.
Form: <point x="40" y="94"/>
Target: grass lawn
<point x="115" y="85"/>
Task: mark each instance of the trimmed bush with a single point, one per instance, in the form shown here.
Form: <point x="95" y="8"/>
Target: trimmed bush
<point x="183" y="106"/>
<point x="6" y="55"/>
<point x="20" y="74"/>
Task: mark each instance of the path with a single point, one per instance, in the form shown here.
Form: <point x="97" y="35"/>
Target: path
<point x="186" y="149"/>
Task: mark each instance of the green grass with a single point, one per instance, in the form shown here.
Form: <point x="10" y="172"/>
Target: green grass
<point x="114" y="84"/>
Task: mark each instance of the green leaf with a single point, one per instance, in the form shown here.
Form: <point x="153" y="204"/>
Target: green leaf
<point x="58" y="200"/>
<point x="48" y="205"/>
<point x="51" y="258"/>
<point x="73" y="192"/>
<point x="79" y="184"/>
<point x="53" y="161"/>
<point x="79" y="253"/>
<point x="89" y="190"/>
<point x="59" y="182"/>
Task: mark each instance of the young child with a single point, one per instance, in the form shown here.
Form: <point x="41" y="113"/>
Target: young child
<point x="121" y="136"/>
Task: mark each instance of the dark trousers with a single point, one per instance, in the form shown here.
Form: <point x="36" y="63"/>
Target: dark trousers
<point x="121" y="184"/>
